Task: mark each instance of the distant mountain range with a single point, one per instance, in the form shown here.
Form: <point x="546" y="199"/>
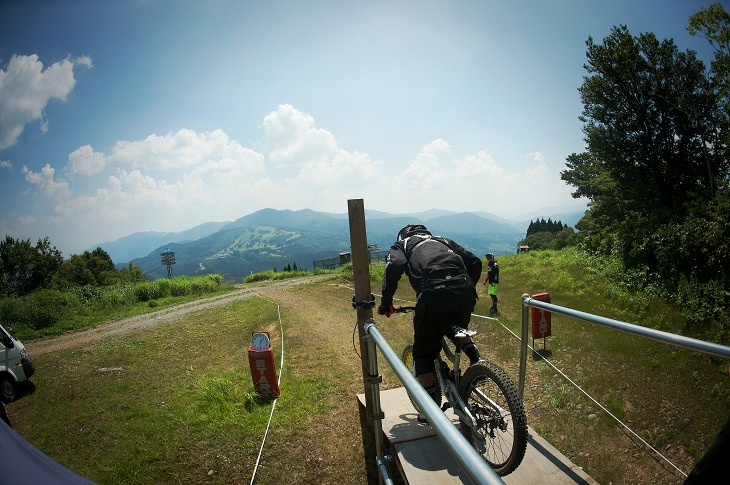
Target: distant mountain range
<point x="271" y="238"/>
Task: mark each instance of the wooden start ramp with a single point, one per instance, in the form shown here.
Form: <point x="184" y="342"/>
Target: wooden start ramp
<point x="422" y="458"/>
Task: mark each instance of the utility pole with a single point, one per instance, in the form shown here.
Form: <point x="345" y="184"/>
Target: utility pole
<point x="361" y="275"/>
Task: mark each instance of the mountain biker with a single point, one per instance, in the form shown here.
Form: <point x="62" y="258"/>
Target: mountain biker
<point x="492" y="279"/>
<point x="444" y="275"/>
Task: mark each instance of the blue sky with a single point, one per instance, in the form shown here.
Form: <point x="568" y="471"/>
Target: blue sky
<point x="127" y="116"/>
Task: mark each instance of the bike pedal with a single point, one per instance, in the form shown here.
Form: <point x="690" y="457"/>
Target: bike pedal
<point x="445" y="406"/>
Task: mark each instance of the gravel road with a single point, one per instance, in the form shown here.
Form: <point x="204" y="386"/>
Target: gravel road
<point x="52" y="344"/>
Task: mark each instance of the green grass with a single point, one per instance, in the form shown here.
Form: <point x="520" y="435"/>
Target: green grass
<point x="50" y="312"/>
<point x="182" y="396"/>
<point x="183" y="410"/>
<point x="672" y="398"/>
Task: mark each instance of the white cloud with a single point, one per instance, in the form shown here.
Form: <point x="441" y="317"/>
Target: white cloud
<point x="176" y="181"/>
<point x="26" y="220"/>
<point x="84" y="61"/>
<point x="6" y="165"/>
<point x="428" y="170"/>
<point x="25" y="89"/>
<point x="84" y="161"/>
<point x="57" y="193"/>
<point x="180" y="150"/>
<point x="293" y="138"/>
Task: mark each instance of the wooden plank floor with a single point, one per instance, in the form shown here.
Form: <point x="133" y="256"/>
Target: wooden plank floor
<point x="424" y="459"/>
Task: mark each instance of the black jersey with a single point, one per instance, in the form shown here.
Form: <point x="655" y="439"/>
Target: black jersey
<point x="429" y="262"/>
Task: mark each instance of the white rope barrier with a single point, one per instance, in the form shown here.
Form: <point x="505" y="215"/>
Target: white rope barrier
<point x="273" y="405"/>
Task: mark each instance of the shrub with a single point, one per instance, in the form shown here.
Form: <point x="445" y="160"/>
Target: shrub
<point x="180" y="286"/>
<point x="164" y="287"/>
<point x="11" y="310"/>
<point x="261" y="276"/>
<point x="116" y="296"/>
<point x="704" y="306"/>
<point x="146" y="291"/>
<point x="45" y="308"/>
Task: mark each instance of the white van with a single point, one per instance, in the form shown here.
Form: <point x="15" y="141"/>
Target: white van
<point x="16" y="366"/>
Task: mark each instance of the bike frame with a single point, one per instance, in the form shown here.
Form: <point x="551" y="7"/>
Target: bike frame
<point x="450" y="389"/>
<point x="481" y="418"/>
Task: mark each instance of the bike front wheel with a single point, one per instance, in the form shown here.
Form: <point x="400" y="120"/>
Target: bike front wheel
<point x="500" y="434"/>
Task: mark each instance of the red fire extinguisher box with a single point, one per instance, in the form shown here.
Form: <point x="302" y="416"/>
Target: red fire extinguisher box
<point x="263" y="371"/>
<point x="541" y="321"/>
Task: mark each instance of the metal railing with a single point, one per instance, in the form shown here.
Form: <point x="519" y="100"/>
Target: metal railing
<point x="334" y="263"/>
<point x="471" y="462"/>
<point x="649" y="333"/>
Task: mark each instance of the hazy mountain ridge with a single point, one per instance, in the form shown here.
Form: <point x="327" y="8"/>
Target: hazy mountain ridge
<point x="138" y="244"/>
<point x="272" y="238"/>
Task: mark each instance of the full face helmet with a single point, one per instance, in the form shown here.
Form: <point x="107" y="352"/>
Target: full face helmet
<point x="412" y="230"/>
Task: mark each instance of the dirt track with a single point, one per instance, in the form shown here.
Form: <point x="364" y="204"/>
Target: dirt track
<point x="120" y="327"/>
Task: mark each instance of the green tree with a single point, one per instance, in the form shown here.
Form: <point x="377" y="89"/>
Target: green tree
<point x="713" y="24"/>
<point x="653" y="143"/>
<point x="25" y="268"/>
<point x="74" y="272"/>
<point x="541" y="225"/>
<point x="648" y="117"/>
<point x="90" y="268"/>
<point x="550" y="239"/>
<point x="657" y="166"/>
<point x="131" y="274"/>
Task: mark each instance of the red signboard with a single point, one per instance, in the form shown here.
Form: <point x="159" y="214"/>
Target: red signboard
<point x="263" y="371"/>
<point x="541" y="318"/>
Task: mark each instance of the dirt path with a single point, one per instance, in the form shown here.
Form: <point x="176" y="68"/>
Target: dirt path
<point x="126" y="325"/>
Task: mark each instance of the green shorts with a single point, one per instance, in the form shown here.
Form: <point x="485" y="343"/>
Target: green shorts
<point x="492" y="288"/>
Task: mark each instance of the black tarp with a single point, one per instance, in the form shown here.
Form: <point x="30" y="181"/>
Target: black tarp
<point x="22" y="463"/>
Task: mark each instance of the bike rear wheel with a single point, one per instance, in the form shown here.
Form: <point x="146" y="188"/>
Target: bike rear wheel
<point x="407" y="359"/>
<point x="501" y="432"/>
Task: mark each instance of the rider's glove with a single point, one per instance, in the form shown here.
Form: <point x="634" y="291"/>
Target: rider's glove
<point x="386" y="310"/>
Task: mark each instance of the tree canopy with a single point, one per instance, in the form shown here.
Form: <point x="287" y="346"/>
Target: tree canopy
<point x="25" y="268"/>
<point x="656" y="166"/>
<point x="542" y="234"/>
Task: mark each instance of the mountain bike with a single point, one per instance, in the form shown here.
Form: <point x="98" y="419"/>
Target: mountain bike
<point x="486" y="401"/>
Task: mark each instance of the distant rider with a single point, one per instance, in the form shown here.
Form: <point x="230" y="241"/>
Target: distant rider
<point x="444" y="276"/>
<point x="492" y="280"/>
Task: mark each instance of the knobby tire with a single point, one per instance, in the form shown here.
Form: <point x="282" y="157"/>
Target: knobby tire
<point x="500" y="438"/>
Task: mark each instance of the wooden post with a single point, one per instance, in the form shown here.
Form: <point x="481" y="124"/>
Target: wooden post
<point x="361" y="275"/>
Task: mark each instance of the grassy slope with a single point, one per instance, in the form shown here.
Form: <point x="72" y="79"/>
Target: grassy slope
<point x="182" y="410"/>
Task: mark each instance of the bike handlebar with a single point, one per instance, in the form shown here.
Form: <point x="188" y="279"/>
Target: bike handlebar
<point x="404" y="309"/>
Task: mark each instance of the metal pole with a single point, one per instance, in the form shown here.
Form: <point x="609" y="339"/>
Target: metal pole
<point x="523" y="346"/>
<point x="374" y="379"/>
<point x="650" y="333"/>
<point x="471" y="462"/>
